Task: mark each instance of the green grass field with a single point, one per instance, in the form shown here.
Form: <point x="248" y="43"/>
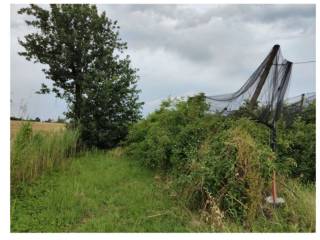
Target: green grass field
<point x="100" y="192"/>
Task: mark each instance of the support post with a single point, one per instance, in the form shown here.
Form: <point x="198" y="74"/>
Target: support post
<point x="265" y="73"/>
<point x="301" y="102"/>
<point x="274" y="189"/>
<point x="273" y="136"/>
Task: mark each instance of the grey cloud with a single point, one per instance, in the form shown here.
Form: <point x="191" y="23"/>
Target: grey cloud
<point x="183" y="49"/>
<point x="272" y="13"/>
<point x="193" y="31"/>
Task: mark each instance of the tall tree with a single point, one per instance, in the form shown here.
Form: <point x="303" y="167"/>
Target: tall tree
<point x="82" y="53"/>
<point x="107" y="116"/>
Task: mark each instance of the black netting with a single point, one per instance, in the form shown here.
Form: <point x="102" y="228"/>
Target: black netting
<point x="266" y="89"/>
<point x="301" y="100"/>
<point x="295" y="106"/>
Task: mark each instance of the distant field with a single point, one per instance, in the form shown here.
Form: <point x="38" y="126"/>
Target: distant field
<point x="36" y="126"/>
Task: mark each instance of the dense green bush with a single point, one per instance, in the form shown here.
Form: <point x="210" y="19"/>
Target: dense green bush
<point x="232" y="166"/>
<point x="155" y="140"/>
<point x="296" y="144"/>
<point x="224" y="161"/>
<point x="296" y="149"/>
<point x="207" y="154"/>
<point x="296" y="136"/>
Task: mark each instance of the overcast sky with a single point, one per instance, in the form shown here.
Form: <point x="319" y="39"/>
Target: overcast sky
<point x="181" y="50"/>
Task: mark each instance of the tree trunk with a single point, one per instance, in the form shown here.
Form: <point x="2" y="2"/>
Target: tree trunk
<point x="78" y="93"/>
<point x="77" y="104"/>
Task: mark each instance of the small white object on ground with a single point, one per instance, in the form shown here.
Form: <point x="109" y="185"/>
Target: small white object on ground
<point x="278" y="200"/>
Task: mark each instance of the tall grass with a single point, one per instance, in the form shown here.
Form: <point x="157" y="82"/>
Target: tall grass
<point x="297" y="214"/>
<point x="32" y="153"/>
<point x="101" y="192"/>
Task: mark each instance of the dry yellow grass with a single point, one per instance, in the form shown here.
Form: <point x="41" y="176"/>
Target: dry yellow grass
<point x="36" y="126"/>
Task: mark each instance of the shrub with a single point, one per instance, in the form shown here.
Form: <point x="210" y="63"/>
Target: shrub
<point x="296" y="149"/>
<point x="225" y="158"/>
<point x="295" y="138"/>
<point x="239" y="168"/>
<point x="153" y="140"/>
<point x="296" y="144"/>
<point x="233" y="167"/>
<point x="217" y="161"/>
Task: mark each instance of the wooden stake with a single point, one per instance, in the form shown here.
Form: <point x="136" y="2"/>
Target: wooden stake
<point x="265" y="73"/>
<point x="274" y="188"/>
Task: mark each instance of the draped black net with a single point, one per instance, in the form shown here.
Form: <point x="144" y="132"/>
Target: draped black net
<point x="265" y="89"/>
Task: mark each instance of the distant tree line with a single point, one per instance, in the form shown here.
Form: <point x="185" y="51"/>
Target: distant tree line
<point x="37" y="119"/>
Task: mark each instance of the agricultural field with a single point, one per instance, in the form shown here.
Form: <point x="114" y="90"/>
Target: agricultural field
<point x="36" y="126"/>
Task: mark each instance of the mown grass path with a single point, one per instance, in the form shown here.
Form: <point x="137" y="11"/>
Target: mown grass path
<point x="99" y="192"/>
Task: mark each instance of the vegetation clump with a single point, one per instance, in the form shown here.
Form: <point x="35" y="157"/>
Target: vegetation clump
<point x="227" y="158"/>
<point x="32" y="153"/>
<point x="297" y="145"/>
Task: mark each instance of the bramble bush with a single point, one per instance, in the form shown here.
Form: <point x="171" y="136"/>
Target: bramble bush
<point x="226" y="161"/>
<point x="296" y="146"/>
<point x="206" y="154"/>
